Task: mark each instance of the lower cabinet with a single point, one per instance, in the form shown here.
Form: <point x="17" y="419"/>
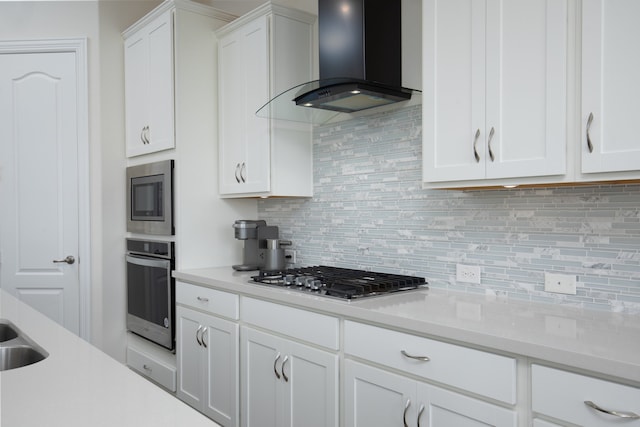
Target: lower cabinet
<point x="582" y="400"/>
<point x="286" y="383"/>
<point x="207" y="359"/>
<point x="377" y="398"/>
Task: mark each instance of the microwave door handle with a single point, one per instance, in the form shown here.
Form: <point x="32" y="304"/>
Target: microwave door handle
<point x="148" y="262"/>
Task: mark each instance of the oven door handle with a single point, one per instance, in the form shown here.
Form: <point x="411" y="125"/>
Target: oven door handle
<point x="148" y="262"/>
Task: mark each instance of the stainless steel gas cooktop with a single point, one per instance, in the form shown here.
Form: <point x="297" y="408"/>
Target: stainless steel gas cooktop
<point x="341" y="283"/>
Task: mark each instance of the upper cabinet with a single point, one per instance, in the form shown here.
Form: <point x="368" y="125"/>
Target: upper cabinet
<point x="260" y="55"/>
<point x="610" y="138"/>
<point x="148" y="59"/>
<point x="494" y="102"/>
<point x="530" y="92"/>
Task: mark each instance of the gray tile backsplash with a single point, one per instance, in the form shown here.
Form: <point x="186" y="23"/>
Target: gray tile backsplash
<point x="369" y="211"/>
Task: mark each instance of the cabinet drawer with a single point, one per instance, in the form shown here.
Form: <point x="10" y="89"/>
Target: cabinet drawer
<point x="211" y="300"/>
<point x="297" y="323"/>
<point x="152" y="369"/>
<point x="487" y="374"/>
<point x="562" y="394"/>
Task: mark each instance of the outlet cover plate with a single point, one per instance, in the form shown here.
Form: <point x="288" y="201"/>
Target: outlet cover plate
<point x="560" y="283"/>
<point x="468" y="273"/>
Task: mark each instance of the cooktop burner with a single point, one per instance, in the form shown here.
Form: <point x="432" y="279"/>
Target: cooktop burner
<point x="339" y="282"/>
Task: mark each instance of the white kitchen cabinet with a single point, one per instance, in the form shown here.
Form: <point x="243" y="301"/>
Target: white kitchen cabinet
<point x="151" y="361"/>
<point x="148" y="59"/>
<point x="490" y="375"/>
<point x="610" y="141"/>
<point x="287" y="383"/>
<point x="564" y="396"/>
<point x="207" y="351"/>
<point x="495" y="91"/>
<point x="377" y="398"/>
<point x="260" y="55"/>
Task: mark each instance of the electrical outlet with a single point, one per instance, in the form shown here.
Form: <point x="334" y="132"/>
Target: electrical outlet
<point x="468" y="273"/>
<point x="290" y="256"/>
<point x="560" y="283"/>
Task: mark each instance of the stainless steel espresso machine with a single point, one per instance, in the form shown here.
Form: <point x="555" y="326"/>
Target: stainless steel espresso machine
<point x="256" y="234"/>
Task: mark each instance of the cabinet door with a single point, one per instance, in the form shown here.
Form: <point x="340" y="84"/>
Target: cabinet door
<point x="149" y="103"/>
<point x="161" y="133"/>
<point x="526" y="88"/>
<point x="610" y="89"/>
<point x="220" y="342"/>
<point x="243" y="89"/>
<point x="453" y="103"/>
<point x="442" y="408"/>
<point x="136" y="92"/>
<point x="310" y="388"/>
<point x="376" y="398"/>
<point x="189" y="357"/>
<point x="261" y="373"/>
<point x="231" y="90"/>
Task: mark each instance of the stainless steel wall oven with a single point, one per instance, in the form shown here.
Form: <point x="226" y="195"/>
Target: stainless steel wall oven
<point x="151" y="290"/>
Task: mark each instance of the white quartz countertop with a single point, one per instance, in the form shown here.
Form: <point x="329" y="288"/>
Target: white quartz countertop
<point x="79" y="385"/>
<point x="601" y="342"/>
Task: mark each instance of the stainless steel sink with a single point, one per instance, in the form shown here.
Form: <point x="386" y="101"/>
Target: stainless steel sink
<point x="7" y="332"/>
<point x="16" y="348"/>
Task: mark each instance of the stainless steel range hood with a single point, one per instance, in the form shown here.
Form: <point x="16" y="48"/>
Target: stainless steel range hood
<point x="360" y="64"/>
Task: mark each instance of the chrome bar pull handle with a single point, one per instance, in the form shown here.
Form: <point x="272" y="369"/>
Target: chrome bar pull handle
<point x="589" y="144"/>
<point x="147" y="368"/>
<point x="489" y="144"/>
<point x="204" y="331"/>
<point x="420" y="411"/>
<point x="628" y="415"/>
<point x="284" y="362"/>
<point x="404" y="414"/>
<point x="69" y="260"/>
<point x="237" y="170"/>
<point x="475" y="144"/>
<point x="197" y="335"/>
<point x="275" y="369"/>
<point x="243" y="172"/>
<point x="410" y="356"/>
<point x="203" y="299"/>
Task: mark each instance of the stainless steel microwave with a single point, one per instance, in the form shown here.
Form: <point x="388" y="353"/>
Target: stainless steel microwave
<point x="150" y="198"/>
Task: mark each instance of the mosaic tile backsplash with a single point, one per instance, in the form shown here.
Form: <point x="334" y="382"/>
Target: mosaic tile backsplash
<point x="369" y="211"/>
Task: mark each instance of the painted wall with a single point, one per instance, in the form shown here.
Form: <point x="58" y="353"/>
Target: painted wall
<point x="369" y="211"/>
<point x="101" y="23"/>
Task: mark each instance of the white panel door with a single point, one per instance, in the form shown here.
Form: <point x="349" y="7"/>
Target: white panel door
<point x="376" y="398"/>
<point x="453" y="106"/>
<point x="526" y="88"/>
<point x="311" y="387"/>
<point x="39" y="219"/>
<point x="261" y="379"/>
<point x="610" y="89"/>
<point x="438" y="407"/>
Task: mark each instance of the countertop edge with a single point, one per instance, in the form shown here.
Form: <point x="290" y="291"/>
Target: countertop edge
<point x="222" y="278"/>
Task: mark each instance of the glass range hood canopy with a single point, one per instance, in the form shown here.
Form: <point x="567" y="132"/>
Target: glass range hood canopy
<point x="335" y="99"/>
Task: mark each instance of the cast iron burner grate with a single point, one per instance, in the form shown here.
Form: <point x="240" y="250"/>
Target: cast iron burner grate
<point x="343" y="283"/>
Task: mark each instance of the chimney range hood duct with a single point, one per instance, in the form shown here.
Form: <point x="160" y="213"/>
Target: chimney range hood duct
<point x="360" y="61"/>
